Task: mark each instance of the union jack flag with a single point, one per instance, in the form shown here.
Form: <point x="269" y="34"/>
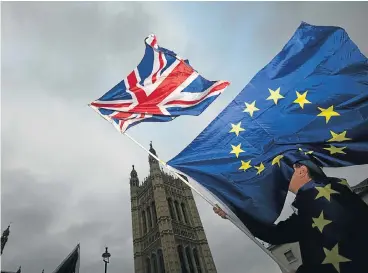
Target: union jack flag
<point x="162" y="87"/>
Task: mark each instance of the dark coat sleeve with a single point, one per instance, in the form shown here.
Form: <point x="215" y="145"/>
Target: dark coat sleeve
<point x="287" y="231"/>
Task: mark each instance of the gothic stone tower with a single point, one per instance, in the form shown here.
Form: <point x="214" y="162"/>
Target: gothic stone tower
<point x="168" y="235"/>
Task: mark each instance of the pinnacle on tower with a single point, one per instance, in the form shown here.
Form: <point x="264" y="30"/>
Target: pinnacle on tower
<point x="152" y="150"/>
<point x="4" y="238"/>
<point x="133" y="173"/>
<point x="151" y="159"/>
<point x="134" y="181"/>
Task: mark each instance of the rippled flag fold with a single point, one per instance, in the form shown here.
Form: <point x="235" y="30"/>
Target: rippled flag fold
<point x="310" y="101"/>
<point x="71" y="263"/>
<point x="162" y="87"/>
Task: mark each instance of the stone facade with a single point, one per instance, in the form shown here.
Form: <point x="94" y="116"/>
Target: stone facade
<point x="289" y="254"/>
<point x="168" y="235"/>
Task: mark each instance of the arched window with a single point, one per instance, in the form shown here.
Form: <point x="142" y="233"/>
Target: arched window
<point x="148" y="265"/>
<point x="154" y="263"/>
<point x="189" y="259"/>
<point x="177" y="210"/>
<point x="154" y="214"/>
<point x="182" y="260"/>
<point x="144" y="222"/>
<point x="171" y="208"/>
<point x="184" y="210"/>
<point x="161" y="261"/>
<point x="196" y="259"/>
<point x="149" y="217"/>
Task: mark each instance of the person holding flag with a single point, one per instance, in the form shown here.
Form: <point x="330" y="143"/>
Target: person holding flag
<point x="330" y="224"/>
<point x="306" y="109"/>
<point x="309" y="103"/>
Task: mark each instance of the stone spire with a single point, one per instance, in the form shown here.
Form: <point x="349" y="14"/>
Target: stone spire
<point x="134" y="181"/>
<point x="151" y="159"/>
<point x="152" y="150"/>
<point x="168" y="235"/>
<point x="4" y="238"/>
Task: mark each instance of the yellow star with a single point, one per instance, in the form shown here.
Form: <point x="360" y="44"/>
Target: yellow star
<point x="338" y="137"/>
<point x="335" y="150"/>
<point x="325" y="192"/>
<point x="344" y="182"/>
<point x="236" y="150"/>
<point x="327" y="113"/>
<point x="245" y="165"/>
<point x="302" y="99"/>
<point x="251" y="108"/>
<point x="320" y="222"/>
<point x="333" y="257"/>
<point x="236" y="129"/>
<point x="275" y="95"/>
<point x="260" y="168"/>
<point x="277" y="160"/>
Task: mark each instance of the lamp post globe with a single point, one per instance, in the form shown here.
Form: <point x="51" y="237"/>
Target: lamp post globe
<point x="106" y="258"/>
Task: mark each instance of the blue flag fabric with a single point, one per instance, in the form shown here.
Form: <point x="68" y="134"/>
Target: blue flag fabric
<point x="310" y="101"/>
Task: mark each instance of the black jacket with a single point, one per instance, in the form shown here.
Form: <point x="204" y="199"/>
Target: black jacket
<point x="325" y="229"/>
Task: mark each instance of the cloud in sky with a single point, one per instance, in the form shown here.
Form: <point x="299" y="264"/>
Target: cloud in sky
<point x="65" y="170"/>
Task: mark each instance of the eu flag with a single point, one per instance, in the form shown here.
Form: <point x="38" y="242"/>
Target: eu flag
<point x="311" y="100"/>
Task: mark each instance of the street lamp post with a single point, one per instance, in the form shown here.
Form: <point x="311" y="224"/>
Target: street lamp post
<point x="106" y="258"/>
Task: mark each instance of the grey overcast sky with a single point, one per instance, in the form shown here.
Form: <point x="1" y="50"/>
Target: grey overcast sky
<point x="65" y="170"/>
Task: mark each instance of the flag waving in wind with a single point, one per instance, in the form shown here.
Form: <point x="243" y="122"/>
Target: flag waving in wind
<point x="162" y="87"/>
<point x="310" y="101"/>
<point x="71" y="263"/>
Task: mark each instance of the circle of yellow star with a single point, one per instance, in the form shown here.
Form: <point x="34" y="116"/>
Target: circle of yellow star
<point x="236" y="150"/>
<point x="320" y="222"/>
<point x="328" y="113"/>
<point x="275" y="95"/>
<point x="277" y="160"/>
<point x="236" y="128"/>
<point x="260" y="168"/>
<point x="338" y="137"/>
<point x="251" y="108"/>
<point x="325" y="192"/>
<point x="333" y="257"/>
<point x="335" y="150"/>
<point x="245" y="165"/>
<point x="302" y="99"/>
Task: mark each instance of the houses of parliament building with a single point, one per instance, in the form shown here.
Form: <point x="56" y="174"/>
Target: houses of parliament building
<point x="168" y="235"/>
